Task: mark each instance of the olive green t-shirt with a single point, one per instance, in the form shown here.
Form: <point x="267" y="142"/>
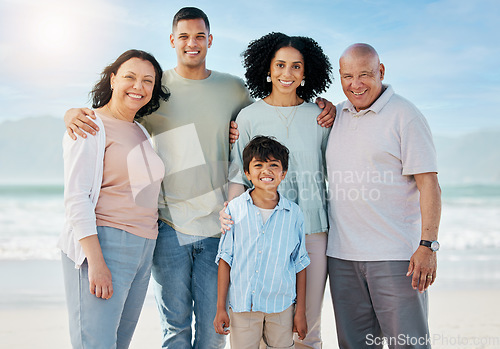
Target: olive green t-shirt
<point x="191" y="135"/>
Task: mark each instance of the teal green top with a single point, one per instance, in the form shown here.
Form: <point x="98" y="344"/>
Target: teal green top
<point x="304" y="183"/>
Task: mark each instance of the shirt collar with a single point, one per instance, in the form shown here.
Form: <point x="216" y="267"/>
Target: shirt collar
<point x="282" y="204"/>
<point x="376" y="107"/>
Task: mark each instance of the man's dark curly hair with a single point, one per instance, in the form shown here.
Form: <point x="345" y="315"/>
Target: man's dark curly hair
<point x="101" y="93"/>
<point x="259" y="54"/>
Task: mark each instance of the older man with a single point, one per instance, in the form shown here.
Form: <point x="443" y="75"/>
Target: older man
<point x="385" y="207"/>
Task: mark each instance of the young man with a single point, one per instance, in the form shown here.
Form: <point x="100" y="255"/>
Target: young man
<point x="191" y="135"/>
<point x="191" y="132"/>
<point x="262" y="258"/>
<point x="384" y="223"/>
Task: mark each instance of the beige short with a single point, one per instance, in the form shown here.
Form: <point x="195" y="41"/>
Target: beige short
<point x="247" y="329"/>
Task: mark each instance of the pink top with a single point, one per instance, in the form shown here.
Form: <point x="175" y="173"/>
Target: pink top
<point x="131" y="181"/>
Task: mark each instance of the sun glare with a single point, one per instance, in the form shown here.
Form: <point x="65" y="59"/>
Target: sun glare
<point x="53" y="32"/>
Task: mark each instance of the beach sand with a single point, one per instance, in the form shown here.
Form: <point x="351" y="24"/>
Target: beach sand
<point x="33" y="313"/>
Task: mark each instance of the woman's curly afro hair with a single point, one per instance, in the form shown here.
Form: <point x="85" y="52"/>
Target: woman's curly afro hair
<point x="259" y="54"/>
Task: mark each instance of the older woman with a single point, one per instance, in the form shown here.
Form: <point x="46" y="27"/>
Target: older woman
<point x="112" y="182"/>
<point x="286" y="72"/>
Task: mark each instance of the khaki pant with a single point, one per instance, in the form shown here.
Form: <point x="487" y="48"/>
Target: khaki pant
<point x="315" y="290"/>
<point x="247" y="329"/>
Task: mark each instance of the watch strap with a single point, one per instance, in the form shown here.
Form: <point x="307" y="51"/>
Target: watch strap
<point x="432" y="245"/>
<point x="425" y="243"/>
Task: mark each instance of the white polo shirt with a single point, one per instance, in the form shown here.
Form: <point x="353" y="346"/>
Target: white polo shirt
<point x="374" y="206"/>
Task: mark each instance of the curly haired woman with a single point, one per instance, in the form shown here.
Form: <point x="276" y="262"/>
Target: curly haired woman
<point x="286" y="72"/>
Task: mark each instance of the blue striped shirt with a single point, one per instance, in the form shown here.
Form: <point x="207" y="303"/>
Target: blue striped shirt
<point x="264" y="258"/>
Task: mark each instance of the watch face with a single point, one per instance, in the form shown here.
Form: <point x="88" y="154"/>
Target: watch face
<point x="435" y="246"/>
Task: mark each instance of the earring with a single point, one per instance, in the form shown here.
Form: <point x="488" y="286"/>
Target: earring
<point x="303" y="82"/>
<point x="112" y="87"/>
<point x="268" y="79"/>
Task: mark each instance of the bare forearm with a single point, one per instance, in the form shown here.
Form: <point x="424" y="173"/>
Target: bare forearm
<point x="92" y="249"/>
<point x="222" y="320"/>
<point x="222" y="284"/>
<point x="423" y="263"/>
<point x="300" y="305"/>
<point x="430" y="204"/>
<point x="100" y="278"/>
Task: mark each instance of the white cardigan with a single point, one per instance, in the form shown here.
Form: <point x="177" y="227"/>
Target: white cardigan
<point x="83" y="169"/>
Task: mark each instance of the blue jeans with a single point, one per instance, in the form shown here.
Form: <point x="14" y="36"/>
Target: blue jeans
<point x="109" y="323"/>
<point x="185" y="281"/>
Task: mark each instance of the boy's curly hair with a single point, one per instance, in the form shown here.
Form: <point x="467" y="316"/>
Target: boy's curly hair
<point x="257" y="61"/>
<point x="262" y="148"/>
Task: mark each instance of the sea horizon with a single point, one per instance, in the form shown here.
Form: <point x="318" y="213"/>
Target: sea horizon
<point x="32" y="217"/>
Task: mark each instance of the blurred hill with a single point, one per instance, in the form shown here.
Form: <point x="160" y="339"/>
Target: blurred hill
<point x="31" y="152"/>
<point x="469" y="159"/>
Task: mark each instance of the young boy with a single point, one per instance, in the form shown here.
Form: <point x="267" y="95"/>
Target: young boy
<point x="262" y="258"/>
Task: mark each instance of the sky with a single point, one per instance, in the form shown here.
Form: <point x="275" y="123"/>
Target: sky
<point x="442" y="55"/>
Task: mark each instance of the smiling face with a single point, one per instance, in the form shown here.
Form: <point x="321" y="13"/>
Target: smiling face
<point x="265" y="174"/>
<point x="191" y="40"/>
<point x="286" y="70"/>
<point x="133" y="84"/>
<point x="361" y="77"/>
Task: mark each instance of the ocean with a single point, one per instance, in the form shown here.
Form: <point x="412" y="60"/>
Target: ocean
<point x="32" y="217"/>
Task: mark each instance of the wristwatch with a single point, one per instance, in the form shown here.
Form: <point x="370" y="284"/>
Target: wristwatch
<point x="433" y="245"/>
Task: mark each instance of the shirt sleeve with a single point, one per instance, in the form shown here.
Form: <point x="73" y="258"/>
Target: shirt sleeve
<point x="418" y="154"/>
<point x="226" y="245"/>
<point x="80" y="162"/>
<point x="236" y="172"/>
<point x="244" y="98"/>
<point x="299" y="255"/>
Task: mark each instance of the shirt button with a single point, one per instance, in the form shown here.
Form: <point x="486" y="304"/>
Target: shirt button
<point x="253" y="291"/>
<point x="256" y="271"/>
<point x="260" y="251"/>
